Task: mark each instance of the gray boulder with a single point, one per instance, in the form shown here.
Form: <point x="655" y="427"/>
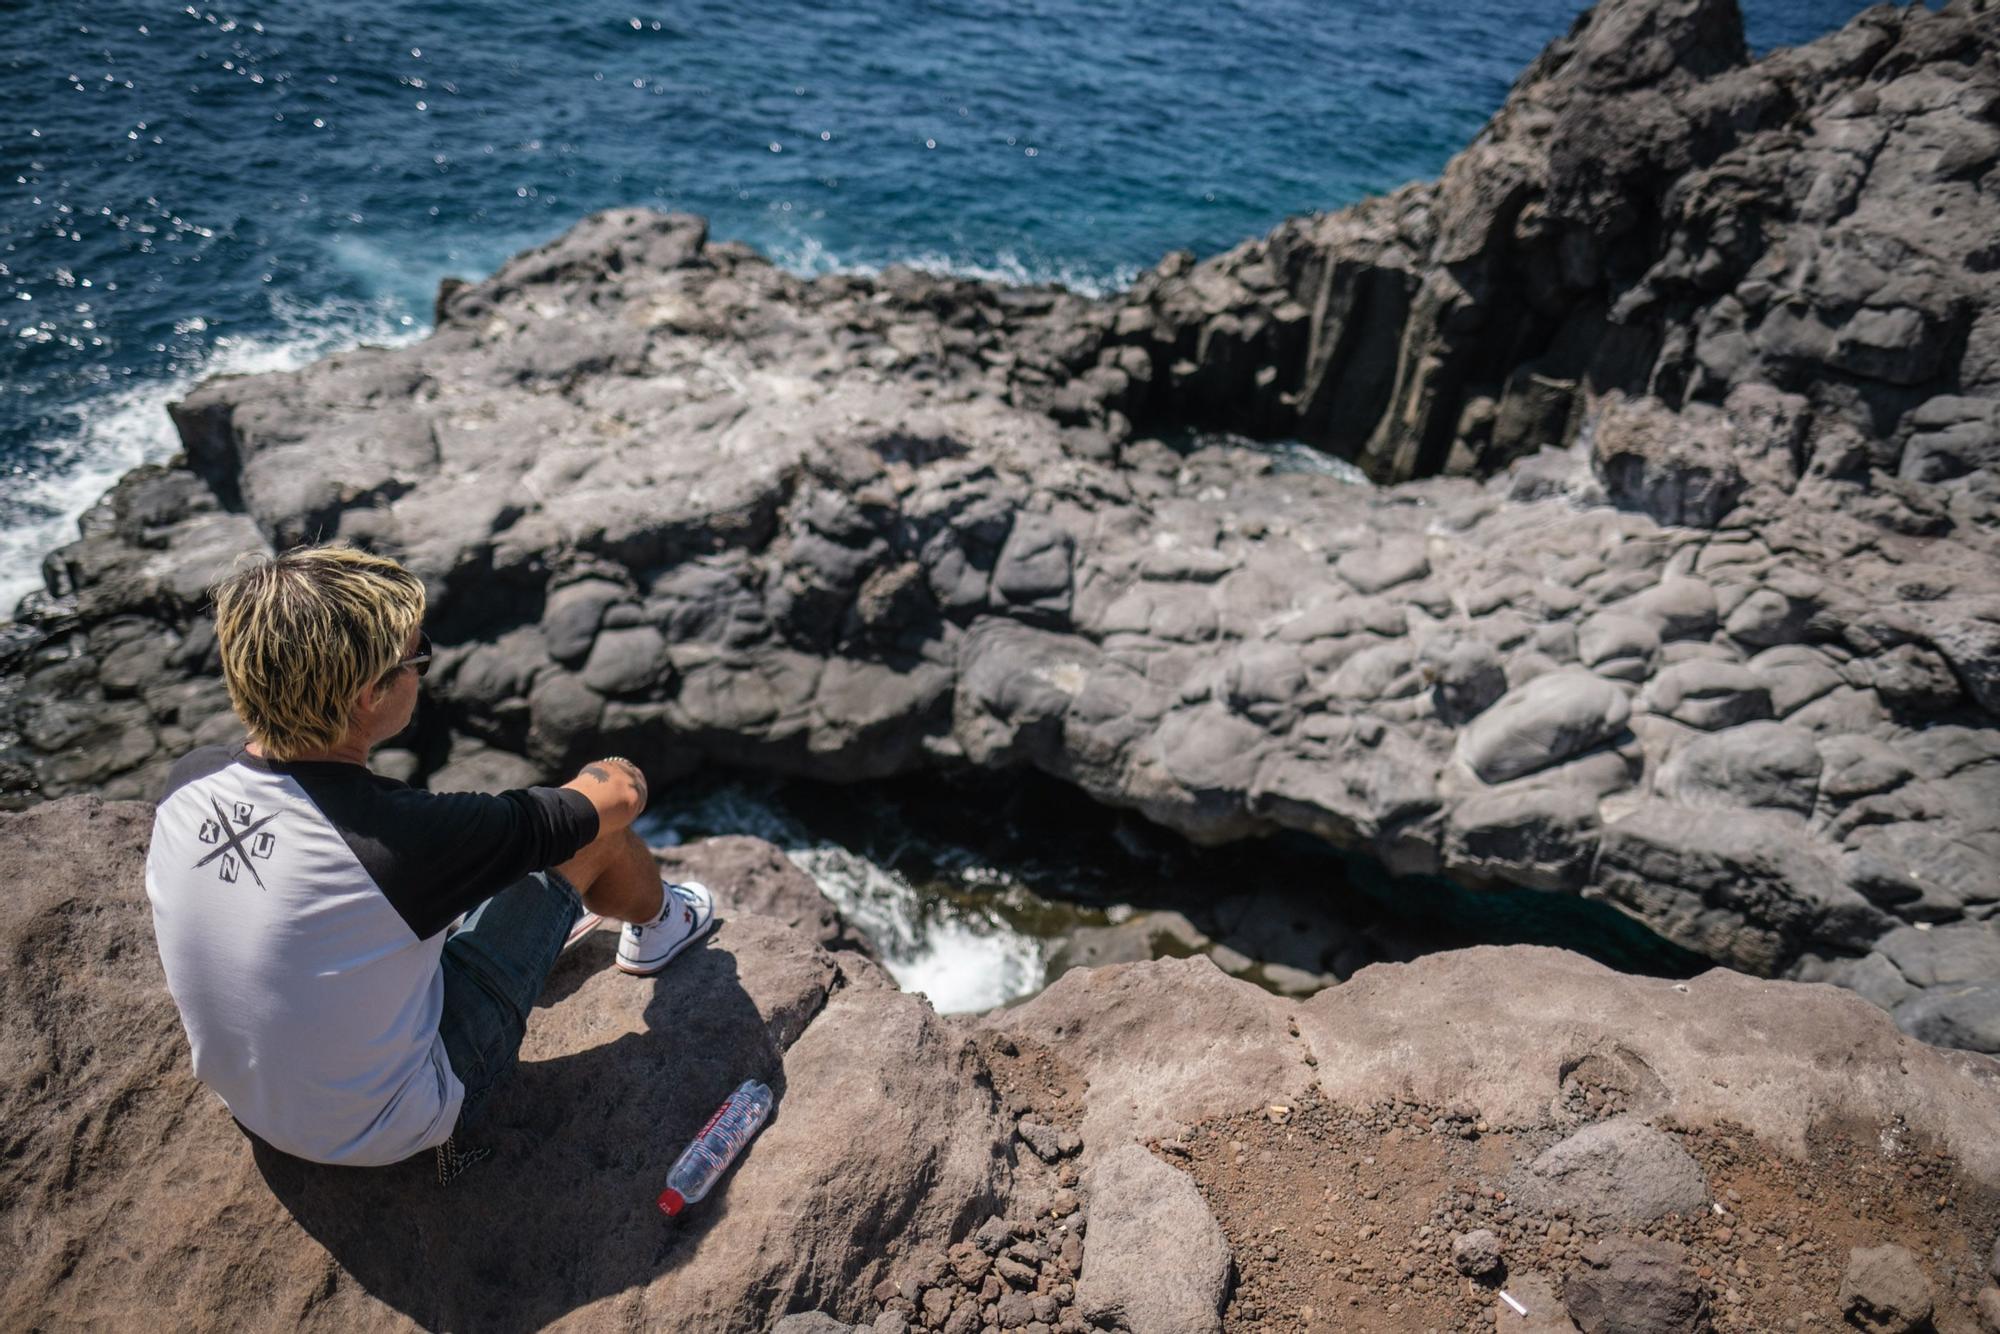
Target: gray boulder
<point x="1546" y="721"/>
<point x="1477" y="1254"/>
<point x="813" y="1322"/>
<point x="1955" y="1014"/>
<point x="1956" y="953"/>
<point x="1617" y="1171"/>
<point x="1622" y="647"/>
<point x="1543" y="837"/>
<point x="1885" y="1291"/>
<point x="1680" y="469"/>
<point x="1758" y="764"/>
<point x="1631" y="1285"/>
<point x="1708" y="694"/>
<point x="1678" y="608"/>
<point x="1153" y="1257"/>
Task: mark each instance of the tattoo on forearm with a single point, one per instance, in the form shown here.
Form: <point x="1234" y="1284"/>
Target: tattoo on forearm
<point x="597" y="769"/>
<point x="638" y="781"/>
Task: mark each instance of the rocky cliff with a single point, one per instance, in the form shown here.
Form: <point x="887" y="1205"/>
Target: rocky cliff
<point x="1681" y="591"/>
<point x="1151" y="1147"/>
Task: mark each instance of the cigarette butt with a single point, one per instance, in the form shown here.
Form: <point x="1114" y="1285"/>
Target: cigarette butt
<point x="1508" y="1298"/>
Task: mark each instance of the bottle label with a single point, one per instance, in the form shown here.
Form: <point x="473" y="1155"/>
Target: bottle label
<point x="720" y="1112"/>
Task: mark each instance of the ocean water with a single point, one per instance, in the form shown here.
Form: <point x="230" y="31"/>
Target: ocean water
<point x="186" y="191"/>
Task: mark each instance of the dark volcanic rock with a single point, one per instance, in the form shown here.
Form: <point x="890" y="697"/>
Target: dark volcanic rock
<point x="1717" y="638"/>
<point x="1637" y="1287"/>
<point x="1885" y="1291"/>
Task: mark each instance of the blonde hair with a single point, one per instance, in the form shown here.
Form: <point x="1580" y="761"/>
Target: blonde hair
<point x="303" y="633"/>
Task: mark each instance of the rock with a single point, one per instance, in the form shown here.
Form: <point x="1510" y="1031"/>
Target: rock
<point x="1758" y="764"/>
<point x="605" y="1062"/>
<point x="1015" y="1310"/>
<point x="994" y="1234"/>
<point x="1916" y="872"/>
<point x="1477" y="1254"/>
<point x="1988" y="1305"/>
<point x="1049" y="1144"/>
<point x="1964" y="1014"/>
<point x="1624" y="648"/>
<point x="1709" y="695"/>
<point x="1546" y="721"/>
<point x="1538" y="1294"/>
<point x="1638" y="1285"/>
<point x="1545" y="838"/>
<point x="1766" y="618"/>
<point x="812" y="1322"/>
<point x="1395" y="1031"/>
<point x="1154" y="1257"/>
<point x="477" y="768"/>
<point x="1795" y="676"/>
<point x="1872" y="977"/>
<point x="1739" y="885"/>
<point x="1993" y="1260"/>
<point x="1885" y="1291"/>
<point x="902" y="523"/>
<point x="1377" y="569"/>
<point x="1679" y="468"/>
<point x="572" y="615"/>
<point x="1467" y="677"/>
<point x="1616" y="1171"/>
<point x="1124" y="1028"/>
<point x="1951" y="437"/>
<point x="1677" y="608"/>
<point x="1960" y="952"/>
<point x="627" y="661"/>
<point x="879" y="1100"/>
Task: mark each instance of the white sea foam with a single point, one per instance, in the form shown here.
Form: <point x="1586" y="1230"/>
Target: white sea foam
<point x="1288" y="455"/>
<point x="124" y="427"/>
<point x="808" y="257"/>
<point x="964" y="958"/>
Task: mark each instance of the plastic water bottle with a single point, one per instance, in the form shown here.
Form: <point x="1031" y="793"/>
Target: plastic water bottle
<point x="702" y="1162"/>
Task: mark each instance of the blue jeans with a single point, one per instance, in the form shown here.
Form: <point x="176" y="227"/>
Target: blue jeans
<point x="495" y="965"/>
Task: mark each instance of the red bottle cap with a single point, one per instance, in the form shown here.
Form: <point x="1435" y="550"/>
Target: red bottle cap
<point x="671" y="1202"/>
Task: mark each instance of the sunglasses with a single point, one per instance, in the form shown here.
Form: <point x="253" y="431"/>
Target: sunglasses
<point x="421" y="659"/>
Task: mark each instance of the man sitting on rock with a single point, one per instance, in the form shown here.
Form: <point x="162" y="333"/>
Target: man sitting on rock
<point x="305" y="907"/>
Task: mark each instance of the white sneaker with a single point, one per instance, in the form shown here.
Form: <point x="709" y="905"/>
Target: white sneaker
<point x="585" y="924"/>
<point x="688" y="913"/>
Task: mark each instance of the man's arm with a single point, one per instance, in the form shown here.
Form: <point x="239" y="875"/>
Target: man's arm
<point x="616" y="788"/>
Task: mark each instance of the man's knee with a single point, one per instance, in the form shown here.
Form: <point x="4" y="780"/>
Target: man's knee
<point x="600" y="855"/>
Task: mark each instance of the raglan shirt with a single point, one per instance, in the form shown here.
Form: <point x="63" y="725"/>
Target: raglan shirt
<point x="301" y="913"/>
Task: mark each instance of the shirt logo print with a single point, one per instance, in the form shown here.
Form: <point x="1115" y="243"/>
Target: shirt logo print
<point x="241" y="839"/>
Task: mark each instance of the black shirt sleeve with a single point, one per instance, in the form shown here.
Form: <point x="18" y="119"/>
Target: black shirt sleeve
<point x="197" y="763"/>
<point x="436" y="855"/>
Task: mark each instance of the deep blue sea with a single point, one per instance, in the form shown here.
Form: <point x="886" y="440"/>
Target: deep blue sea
<point x="192" y="190"/>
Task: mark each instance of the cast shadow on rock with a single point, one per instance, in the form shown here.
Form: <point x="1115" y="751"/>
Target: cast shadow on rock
<point x="563" y="1213"/>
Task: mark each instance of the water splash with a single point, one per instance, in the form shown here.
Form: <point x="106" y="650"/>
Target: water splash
<point x="121" y="428"/>
<point x="956" y="950"/>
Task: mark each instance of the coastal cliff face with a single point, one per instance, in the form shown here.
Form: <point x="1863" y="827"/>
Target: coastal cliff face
<point x="1685" y="595"/>
<point x="1650" y="214"/>
<point x="1148" y="1147"/>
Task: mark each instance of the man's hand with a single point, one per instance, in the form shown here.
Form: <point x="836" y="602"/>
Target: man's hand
<point x="616" y="788"/>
